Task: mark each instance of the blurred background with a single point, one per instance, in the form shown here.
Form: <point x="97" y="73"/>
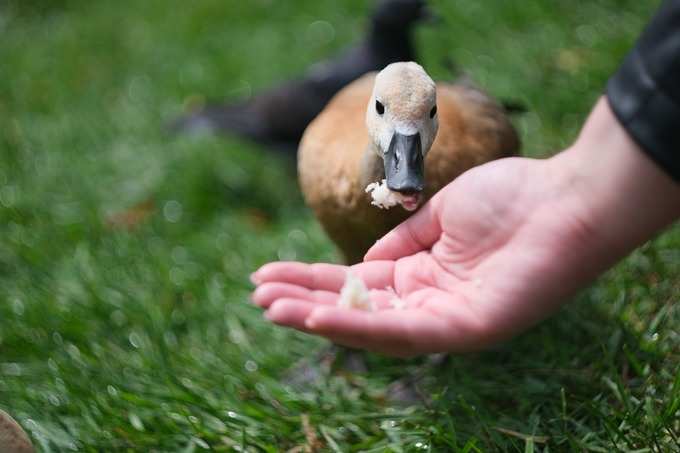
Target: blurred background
<point x="125" y="249"/>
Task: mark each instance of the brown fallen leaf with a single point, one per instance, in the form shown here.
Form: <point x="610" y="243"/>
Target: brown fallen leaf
<point x="132" y="217"/>
<point x="313" y="442"/>
<point x="258" y="218"/>
<point x="570" y="60"/>
<point x="13" y="439"/>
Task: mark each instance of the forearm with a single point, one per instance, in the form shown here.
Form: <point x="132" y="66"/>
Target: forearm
<point x="623" y="197"/>
<point x="644" y="94"/>
<point x="626" y="160"/>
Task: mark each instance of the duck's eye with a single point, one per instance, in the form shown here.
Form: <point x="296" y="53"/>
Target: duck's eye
<point x="433" y="112"/>
<point x="379" y="107"/>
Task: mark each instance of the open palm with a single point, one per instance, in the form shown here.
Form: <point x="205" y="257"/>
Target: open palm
<point x="489" y="255"/>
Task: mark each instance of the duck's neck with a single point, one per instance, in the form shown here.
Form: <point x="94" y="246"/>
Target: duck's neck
<point x="372" y="166"/>
<point x="391" y="42"/>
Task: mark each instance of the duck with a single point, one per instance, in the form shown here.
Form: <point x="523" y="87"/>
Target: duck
<point x="278" y="117"/>
<point x="399" y="126"/>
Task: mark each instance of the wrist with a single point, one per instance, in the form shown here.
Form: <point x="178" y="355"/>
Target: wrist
<point x="615" y="190"/>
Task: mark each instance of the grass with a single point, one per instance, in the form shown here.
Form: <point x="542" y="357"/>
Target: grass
<point x="117" y="337"/>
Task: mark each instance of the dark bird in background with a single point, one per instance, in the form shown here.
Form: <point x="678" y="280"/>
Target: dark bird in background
<point x="279" y="116"/>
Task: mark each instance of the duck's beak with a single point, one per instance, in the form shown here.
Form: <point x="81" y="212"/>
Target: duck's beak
<point x="404" y="168"/>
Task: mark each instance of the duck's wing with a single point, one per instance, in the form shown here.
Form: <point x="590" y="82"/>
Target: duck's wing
<point x="333" y="145"/>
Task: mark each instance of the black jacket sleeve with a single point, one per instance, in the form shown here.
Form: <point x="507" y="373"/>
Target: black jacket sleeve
<point x="645" y="92"/>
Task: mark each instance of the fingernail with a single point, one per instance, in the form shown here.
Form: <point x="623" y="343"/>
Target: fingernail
<point x="310" y="323"/>
<point x="312" y="320"/>
<point x="254" y="280"/>
<point x="274" y="313"/>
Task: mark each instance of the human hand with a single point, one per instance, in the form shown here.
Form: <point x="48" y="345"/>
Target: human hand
<point x="497" y="250"/>
<point x="468" y="267"/>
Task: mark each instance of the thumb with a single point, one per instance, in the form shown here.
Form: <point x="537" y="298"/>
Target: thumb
<point x="418" y="232"/>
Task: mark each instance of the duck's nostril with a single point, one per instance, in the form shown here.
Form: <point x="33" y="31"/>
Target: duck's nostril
<point x="410" y="184"/>
<point x="408" y="191"/>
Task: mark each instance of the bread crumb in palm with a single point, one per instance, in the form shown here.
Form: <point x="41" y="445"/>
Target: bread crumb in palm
<point x="382" y="196"/>
<point x="355" y="295"/>
<point x="396" y="302"/>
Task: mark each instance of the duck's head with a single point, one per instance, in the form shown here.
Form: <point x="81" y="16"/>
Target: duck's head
<point x="402" y="124"/>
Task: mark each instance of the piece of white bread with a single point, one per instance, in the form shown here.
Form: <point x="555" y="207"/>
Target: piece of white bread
<point x="355" y="295"/>
<point x="383" y="197"/>
<point x="395" y="301"/>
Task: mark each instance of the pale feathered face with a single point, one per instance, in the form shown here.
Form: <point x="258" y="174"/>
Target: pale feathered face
<point x="402" y="123"/>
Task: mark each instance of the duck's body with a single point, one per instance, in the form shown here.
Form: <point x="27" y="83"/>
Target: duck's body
<point x="337" y="158"/>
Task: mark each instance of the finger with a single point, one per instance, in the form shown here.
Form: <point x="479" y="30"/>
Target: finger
<point x="397" y="332"/>
<point x="265" y="294"/>
<point x="326" y="277"/>
<point x="290" y="312"/>
<point x="293" y="313"/>
<point x="419" y="232"/>
<point x="385" y="299"/>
